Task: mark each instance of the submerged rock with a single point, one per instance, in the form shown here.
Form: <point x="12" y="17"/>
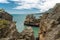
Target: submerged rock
<point x="50" y="25"/>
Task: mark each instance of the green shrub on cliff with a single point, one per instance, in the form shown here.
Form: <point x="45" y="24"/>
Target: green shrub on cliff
<point x="3" y="23"/>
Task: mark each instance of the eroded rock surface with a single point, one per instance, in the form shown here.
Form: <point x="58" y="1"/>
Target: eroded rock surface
<point x="27" y="34"/>
<point x="31" y="20"/>
<point x="50" y="24"/>
<point x="5" y="15"/>
<point x="8" y="29"/>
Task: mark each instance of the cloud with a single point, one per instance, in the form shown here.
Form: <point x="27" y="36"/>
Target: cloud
<point x="26" y="1"/>
<point x="49" y="4"/>
<point x="4" y="1"/>
<point x="26" y="4"/>
<point x="42" y="5"/>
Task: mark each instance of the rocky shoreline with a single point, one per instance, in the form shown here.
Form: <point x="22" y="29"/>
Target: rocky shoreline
<point x="8" y="29"/>
<point x="31" y="21"/>
<point x="49" y="25"/>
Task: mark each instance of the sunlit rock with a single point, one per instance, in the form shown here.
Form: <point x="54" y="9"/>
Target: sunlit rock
<point x="50" y="25"/>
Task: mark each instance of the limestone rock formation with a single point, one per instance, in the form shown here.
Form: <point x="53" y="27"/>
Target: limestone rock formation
<point x="5" y="15"/>
<point x="50" y="24"/>
<point x="27" y="34"/>
<point x="8" y="29"/>
<point x="7" y="26"/>
<point x="31" y="21"/>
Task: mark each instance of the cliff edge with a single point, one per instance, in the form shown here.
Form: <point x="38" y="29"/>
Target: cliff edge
<point x="50" y="24"/>
<point x="8" y="29"/>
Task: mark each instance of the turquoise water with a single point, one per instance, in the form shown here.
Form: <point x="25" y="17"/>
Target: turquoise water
<point x="19" y="18"/>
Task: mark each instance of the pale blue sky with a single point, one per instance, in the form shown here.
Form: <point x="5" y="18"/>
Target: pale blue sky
<point x="27" y="6"/>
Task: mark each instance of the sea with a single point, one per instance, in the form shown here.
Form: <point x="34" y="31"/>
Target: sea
<point x="19" y="19"/>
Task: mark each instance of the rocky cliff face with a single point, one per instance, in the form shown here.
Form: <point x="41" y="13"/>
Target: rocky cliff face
<point x="9" y="32"/>
<point x="7" y="26"/>
<point x="31" y="21"/>
<point x="50" y="24"/>
<point x="27" y="34"/>
<point x="8" y="29"/>
<point x="5" y="15"/>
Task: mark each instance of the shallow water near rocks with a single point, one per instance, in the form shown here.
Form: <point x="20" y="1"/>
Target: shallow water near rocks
<point x="19" y="18"/>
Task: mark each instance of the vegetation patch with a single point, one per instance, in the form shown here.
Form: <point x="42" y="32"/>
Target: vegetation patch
<point x="3" y="23"/>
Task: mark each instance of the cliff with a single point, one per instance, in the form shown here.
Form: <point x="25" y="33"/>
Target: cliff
<point x="5" y="15"/>
<point x="50" y="24"/>
<point x="31" y="21"/>
<point x="7" y="26"/>
<point x="8" y="32"/>
<point x="27" y="34"/>
<point x="8" y="29"/>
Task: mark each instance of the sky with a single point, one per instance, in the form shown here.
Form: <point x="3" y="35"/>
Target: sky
<point x="27" y="6"/>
